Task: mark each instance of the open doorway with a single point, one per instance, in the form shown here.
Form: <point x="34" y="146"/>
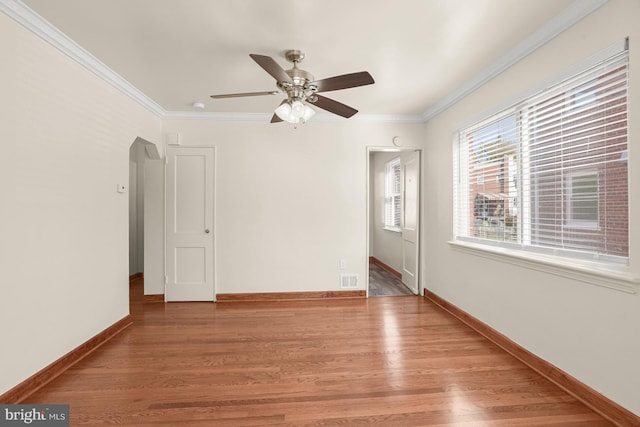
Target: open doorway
<point x="136" y="210"/>
<point x="393" y="215"/>
<point x="140" y="152"/>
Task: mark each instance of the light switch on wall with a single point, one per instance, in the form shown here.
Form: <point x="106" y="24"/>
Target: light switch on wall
<point x="122" y="188"/>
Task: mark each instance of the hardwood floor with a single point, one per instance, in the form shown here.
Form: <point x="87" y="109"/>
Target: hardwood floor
<point x="377" y="361"/>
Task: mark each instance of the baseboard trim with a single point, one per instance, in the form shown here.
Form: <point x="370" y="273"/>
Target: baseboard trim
<point x="152" y="298"/>
<point x="289" y="296"/>
<point x="43" y="377"/>
<point x="385" y="267"/>
<point x="585" y="394"/>
<point x="136" y="276"/>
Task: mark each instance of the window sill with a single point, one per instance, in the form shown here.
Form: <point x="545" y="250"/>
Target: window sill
<point x="394" y="229"/>
<point x="609" y="276"/>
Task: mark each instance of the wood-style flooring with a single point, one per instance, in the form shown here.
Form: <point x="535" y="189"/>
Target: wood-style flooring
<point x="378" y="361"/>
<point x="383" y="283"/>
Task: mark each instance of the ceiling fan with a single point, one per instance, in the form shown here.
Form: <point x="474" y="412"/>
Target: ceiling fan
<point x="302" y="89"/>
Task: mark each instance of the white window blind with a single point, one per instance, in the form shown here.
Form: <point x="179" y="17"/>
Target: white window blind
<point x="393" y="192"/>
<point x="550" y="174"/>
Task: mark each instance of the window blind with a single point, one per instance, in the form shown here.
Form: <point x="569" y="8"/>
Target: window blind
<point x="392" y="194"/>
<point x="550" y="174"/>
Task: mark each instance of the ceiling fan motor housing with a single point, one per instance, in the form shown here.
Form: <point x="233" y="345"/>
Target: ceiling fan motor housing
<point x="302" y="87"/>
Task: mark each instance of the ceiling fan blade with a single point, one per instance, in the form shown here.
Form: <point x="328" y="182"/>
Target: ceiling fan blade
<point x="334" y="107"/>
<point x="271" y="67"/>
<point x="344" y="81"/>
<point x="238" y="95"/>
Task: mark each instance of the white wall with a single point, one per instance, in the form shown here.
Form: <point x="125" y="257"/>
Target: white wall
<point x="290" y="203"/>
<point x="63" y="227"/>
<point x="588" y="331"/>
<point x="385" y="245"/>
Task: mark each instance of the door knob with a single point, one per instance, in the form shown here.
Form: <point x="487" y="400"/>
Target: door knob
<point x="206" y="230"/>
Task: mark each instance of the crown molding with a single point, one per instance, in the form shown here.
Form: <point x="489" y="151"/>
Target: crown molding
<point x="575" y="12"/>
<point x="27" y="17"/>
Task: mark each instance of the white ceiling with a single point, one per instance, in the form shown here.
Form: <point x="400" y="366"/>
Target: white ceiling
<point x="418" y="51"/>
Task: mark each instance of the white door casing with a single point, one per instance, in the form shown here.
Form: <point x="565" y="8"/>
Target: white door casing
<point x="410" y="220"/>
<point x="189" y="256"/>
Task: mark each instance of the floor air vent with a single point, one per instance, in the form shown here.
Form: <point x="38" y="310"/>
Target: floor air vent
<point x="348" y="281"/>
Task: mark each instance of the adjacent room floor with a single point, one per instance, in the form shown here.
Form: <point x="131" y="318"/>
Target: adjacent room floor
<point x="383" y="283"/>
<point x="376" y="361"/>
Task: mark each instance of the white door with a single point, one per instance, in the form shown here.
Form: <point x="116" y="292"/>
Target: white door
<point x="189" y="224"/>
<point x="410" y="220"/>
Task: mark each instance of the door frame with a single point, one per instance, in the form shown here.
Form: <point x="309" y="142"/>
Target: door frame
<point x="214" y="227"/>
<point x="399" y="150"/>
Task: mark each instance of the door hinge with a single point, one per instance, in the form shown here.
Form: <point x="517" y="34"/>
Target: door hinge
<point x="166" y="280"/>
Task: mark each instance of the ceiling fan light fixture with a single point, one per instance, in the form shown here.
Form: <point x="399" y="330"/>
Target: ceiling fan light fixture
<point x="294" y="112"/>
<point x="284" y="112"/>
<point x="297" y="109"/>
<point x="308" y="113"/>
